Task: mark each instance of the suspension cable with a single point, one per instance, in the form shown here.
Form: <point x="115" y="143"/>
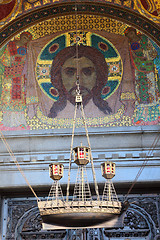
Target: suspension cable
<point x="87" y="135"/>
<point x="143" y="164"/>
<point x="17" y="164"/>
<point x="71" y="149"/>
<point x="77" y="65"/>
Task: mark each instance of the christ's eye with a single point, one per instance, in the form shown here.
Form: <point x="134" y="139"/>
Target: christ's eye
<point x="70" y="71"/>
<point x="88" y="71"/>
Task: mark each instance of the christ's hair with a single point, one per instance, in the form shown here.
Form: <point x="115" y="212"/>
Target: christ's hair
<point x="101" y="69"/>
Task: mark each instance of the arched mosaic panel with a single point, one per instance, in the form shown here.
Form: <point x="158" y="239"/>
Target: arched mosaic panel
<point x="124" y="91"/>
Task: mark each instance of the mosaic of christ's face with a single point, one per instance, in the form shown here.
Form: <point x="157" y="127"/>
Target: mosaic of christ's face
<point x="86" y="72"/>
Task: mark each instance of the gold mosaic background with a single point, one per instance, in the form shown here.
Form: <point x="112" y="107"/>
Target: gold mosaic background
<point x="84" y="22"/>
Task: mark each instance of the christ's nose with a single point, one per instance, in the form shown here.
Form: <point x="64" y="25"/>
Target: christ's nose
<point x="81" y="78"/>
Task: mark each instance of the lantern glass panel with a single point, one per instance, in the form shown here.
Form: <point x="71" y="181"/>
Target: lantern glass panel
<point x="55" y="169"/>
<point x="81" y="153"/>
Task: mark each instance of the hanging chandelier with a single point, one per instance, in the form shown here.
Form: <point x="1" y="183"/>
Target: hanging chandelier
<point x="83" y="209"/>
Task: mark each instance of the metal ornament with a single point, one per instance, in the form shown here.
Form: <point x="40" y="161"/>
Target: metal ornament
<point x="82" y="210"/>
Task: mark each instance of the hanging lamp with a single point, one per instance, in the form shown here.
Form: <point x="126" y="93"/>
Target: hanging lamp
<point x="82" y="210"/>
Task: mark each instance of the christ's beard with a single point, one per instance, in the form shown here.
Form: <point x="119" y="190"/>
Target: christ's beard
<point x="85" y="92"/>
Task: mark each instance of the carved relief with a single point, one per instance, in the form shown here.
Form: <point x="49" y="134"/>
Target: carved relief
<point x="135" y="221"/>
<point x="15" y="211"/>
<point x="33" y="224"/>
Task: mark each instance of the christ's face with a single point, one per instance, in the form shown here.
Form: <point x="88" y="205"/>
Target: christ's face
<point x="86" y="72"/>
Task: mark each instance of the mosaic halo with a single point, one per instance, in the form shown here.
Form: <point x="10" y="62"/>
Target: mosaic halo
<point x="51" y="49"/>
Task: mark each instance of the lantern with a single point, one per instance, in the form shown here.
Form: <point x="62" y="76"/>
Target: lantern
<point x="78" y="98"/>
<point x="108" y="170"/>
<point x="56" y="171"/>
<point x="81" y="155"/>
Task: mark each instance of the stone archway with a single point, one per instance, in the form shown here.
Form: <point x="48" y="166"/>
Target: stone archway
<point x="29" y="227"/>
<point x="137" y="224"/>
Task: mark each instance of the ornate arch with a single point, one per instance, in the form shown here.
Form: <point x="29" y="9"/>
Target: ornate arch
<point x="30" y="224"/>
<point x="28" y="214"/>
<point x="127" y="16"/>
<point x="152" y="227"/>
<point x="138" y="221"/>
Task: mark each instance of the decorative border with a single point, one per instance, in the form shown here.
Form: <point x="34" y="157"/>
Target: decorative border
<point x="144" y="12"/>
<point x="12" y="15"/>
<point x="151" y="29"/>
